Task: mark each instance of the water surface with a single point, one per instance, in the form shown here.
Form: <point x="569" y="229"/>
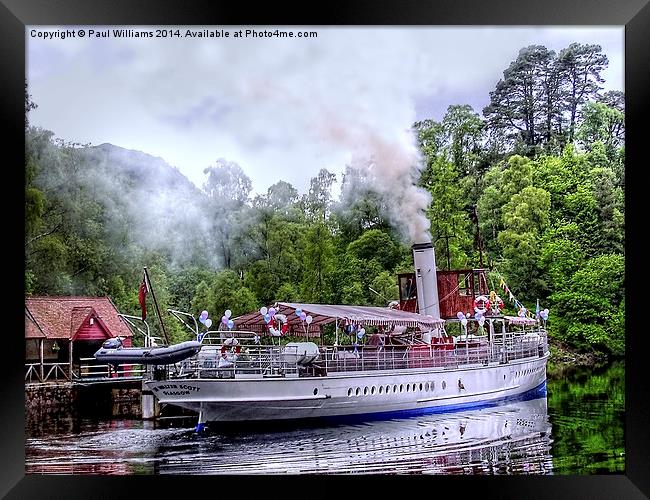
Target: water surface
<point x="576" y="429"/>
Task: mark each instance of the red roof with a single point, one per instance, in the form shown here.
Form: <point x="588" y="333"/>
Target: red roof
<point x="32" y="330"/>
<point x="62" y="317"/>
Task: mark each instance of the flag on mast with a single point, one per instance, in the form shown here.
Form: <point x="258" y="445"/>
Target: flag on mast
<point x="142" y="296"/>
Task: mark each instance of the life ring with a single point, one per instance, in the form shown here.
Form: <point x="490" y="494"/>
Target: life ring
<point x="481" y="304"/>
<point x="278" y="325"/>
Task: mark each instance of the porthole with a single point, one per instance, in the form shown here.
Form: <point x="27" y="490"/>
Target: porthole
<point x="444" y="385"/>
<point x="365" y="391"/>
<point x="358" y="391"/>
<point x="350" y="392"/>
<point x="420" y="385"/>
<point x="381" y="389"/>
<point x="408" y="387"/>
<point x="401" y="388"/>
<point x="387" y="389"/>
<point x="395" y="388"/>
<point x="315" y="391"/>
<point x="433" y="385"/>
<point x="426" y="386"/>
<point x="504" y="377"/>
<point x="372" y="390"/>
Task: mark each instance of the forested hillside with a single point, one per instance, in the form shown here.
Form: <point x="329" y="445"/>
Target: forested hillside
<point x="532" y="186"/>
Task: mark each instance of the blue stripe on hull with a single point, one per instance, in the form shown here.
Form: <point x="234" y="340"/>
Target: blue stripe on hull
<point x="537" y="392"/>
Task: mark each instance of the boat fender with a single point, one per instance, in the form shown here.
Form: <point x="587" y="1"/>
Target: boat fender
<point x="481" y="304"/>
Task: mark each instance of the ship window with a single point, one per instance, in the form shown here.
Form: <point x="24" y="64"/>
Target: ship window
<point x="408" y="387"/>
<point x="406" y="287"/>
<point x="395" y="388"/>
<point x="401" y="388"/>
<point x="444" y="385"/>
<point x="426" y="386"/>
<point x="420" y="385"/>
<point x="381" y="389"/>
<point x="504" y="377"/>
<point x="365" y="391"/>
<point x="372" y="390"/>
<point x="350" y="391"/>
<point x="433" y="385"/>
<point x="464" y="287"/>
<point x="358" y="391"/>
<point x="315" y="391"/>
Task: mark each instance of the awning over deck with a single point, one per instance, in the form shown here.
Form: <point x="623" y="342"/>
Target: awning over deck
<point x="324" y="314"/>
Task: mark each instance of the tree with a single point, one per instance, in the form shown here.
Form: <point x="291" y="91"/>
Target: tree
<point x="375" y="244"/>
<point x="522" y="102"/>
<point x="501" y="183"/>
<point x="318" y="200"/>
<point x="589" y="313"/>
<point x="525" y="217"/>
<point x="318" y="263"/>
<point x="581" y="65"/>
<point x="227" y="189"/>
<point x="464" y="130"/>
<point x="602" y="124"/>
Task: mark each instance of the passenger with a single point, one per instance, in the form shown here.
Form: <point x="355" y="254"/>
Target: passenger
<point x="375" y="340"/>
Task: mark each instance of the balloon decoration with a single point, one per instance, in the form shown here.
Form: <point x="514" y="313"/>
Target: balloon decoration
<point x="544" y="314"/>
<point x="203" y="316"/>
<point x="460" y="315"/>
<point x="208" y="322"/>
<point x="309" y="319"/>
<point x="267" y="318"/>
<point x="272" y="311"/>
<point x="522" y="312"/>
<point x="298" y="311"/>
<point x="231" y="323"/>
<point x="224" y="320"/>
<point x="464" y="321"/>
<point x="228" y="313"/>
<point x="263" y="311"/>
<point x="303" y="316"/>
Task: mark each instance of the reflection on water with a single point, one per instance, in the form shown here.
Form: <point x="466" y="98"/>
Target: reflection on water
<point x="581" y="432"/>
<point x="513" y="438"/>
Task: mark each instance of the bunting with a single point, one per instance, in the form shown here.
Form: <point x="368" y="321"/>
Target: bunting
<point x="511" y="297"/>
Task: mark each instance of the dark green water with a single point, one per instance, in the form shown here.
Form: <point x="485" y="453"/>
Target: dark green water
<point x="586" y="407"/>
<point x="578" y="428"/>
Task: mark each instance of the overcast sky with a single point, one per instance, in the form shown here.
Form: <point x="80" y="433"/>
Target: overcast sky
<point x="281" y="108"/>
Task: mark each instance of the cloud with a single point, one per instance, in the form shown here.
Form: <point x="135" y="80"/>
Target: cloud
<point x="281" y="108"/>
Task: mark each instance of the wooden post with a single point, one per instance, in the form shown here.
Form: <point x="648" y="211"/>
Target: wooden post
<point x="42" y="356"/>
<point x="70" y="359"/>
<point x="155" y="303"/>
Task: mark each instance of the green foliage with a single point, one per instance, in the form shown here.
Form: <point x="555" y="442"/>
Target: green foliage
<point x="535" y="186"/>
<point x="375" y="244"/>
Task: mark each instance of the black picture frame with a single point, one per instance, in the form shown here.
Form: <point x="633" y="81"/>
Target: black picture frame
<point x="16" y="14"/>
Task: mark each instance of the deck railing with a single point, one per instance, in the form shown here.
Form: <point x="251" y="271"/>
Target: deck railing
<point x="273" y="361"/>
<point x="84" y="372"/>
<point x="46" y="372"/>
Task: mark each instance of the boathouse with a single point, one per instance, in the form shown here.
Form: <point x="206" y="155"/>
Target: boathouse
<point x="61" y="331"/>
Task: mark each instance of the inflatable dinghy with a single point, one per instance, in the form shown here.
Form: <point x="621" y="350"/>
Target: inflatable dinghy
<point x="114" y="353"/>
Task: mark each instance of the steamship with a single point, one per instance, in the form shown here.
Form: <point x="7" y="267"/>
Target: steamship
<point x="385" y="362"/>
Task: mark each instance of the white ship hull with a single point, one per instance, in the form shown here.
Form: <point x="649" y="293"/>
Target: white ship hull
<point x="352" y="393"/>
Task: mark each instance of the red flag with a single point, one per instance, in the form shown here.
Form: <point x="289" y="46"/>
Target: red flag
<point x="142" y="297"/>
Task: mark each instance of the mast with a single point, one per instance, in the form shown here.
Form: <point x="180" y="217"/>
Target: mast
<point x="155" y="303"/>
